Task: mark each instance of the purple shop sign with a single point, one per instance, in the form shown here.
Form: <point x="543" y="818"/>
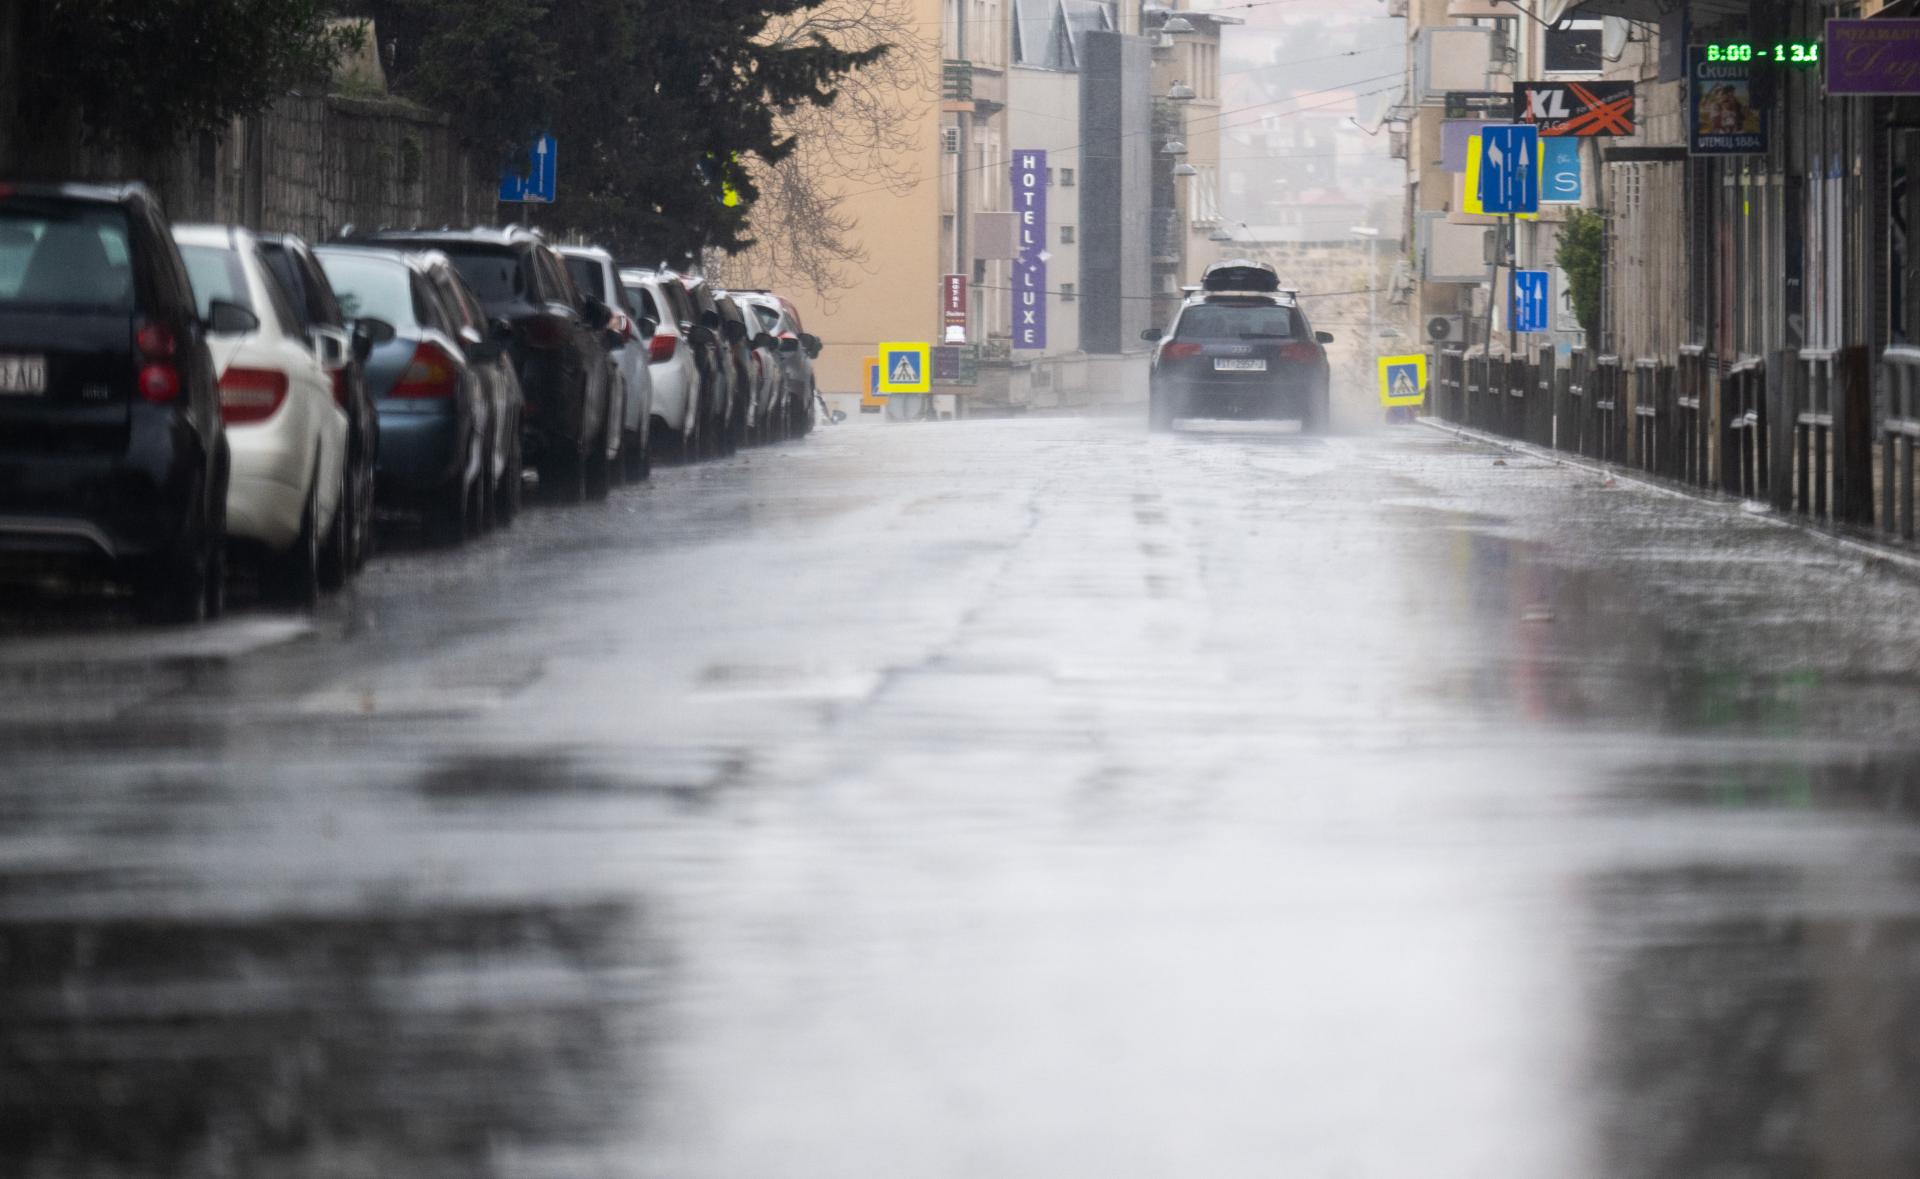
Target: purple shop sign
<point x="1030" y="265"/>
<point x="1873" y="56"/>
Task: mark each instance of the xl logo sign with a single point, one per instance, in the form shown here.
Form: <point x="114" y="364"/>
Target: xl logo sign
<point x="1578" y="109"/>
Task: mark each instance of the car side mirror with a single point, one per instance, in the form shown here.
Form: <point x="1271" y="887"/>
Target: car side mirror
<point x="700" y="334"/>
<point x="649" y="328"/>
<point x="230" y="319"/>
<point x="789" y="344"/>
<point x="1152" y="335"/>
<point x="1324" y="337"/>
<point x="812" y="344"/>
<point x="500" y="329"/>
<point x="368" y="334"/>
<point x="735" y="330"/>
<point x="332" y="346"/>
<point x="765" y="340"/>
<point x="597" y="314"/>
<point x="710" y="320"/>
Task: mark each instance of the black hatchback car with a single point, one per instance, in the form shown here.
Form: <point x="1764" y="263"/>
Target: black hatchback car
<point x="571" y="428"/>
<point x="111" y="447"/>
<point x="1240" y="348"/>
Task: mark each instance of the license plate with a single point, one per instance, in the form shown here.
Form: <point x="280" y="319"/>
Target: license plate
<point x="1239" y="366"/>
<point x="23" y="376"/>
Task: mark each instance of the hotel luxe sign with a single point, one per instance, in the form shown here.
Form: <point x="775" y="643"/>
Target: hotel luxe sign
<point x="1030" y="265"/>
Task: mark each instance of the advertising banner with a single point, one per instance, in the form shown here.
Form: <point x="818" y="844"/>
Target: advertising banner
<point x="1030" y="266"/>
<point x="953" y="307"/>
<point x="1722" y="117"/>
<point x="1583" y="110"/>
<point x="1873" y="56"/>
<point x="1562" y="183"/>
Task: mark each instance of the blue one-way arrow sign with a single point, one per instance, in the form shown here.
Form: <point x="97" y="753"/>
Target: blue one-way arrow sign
<point x="1532" y="296"/>
<point x="541" y="185"/>
<point x="1510" y="168"/>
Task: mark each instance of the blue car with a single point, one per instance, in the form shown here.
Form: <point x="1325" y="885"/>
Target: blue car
<point x="436" y="422"/>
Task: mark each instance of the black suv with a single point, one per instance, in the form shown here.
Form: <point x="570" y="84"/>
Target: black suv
<point x="111" y="447"/>
<point x="571" y="428"/>
<point x="1240" y="348"/>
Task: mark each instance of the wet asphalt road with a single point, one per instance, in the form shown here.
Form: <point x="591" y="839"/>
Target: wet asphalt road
<point x="991" y="800"/>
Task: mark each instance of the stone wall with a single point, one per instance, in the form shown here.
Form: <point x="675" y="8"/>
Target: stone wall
<point x="311" y="165"/>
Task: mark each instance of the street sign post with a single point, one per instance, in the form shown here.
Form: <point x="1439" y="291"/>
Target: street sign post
<point x="1530" y="308"/>
<point x="871" y="398"/>
<point x="541" y="185"/>
<point x="1510" y="168"/>
<point x="906" y="368"/>
<point x="1403" y="380"/>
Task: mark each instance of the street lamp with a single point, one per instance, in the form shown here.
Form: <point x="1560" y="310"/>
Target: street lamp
<point x="1177" y="24"/>
<point x="1174" y="148"/>
<point x="1181" y="92"/>
<point x="1184" y="169"/>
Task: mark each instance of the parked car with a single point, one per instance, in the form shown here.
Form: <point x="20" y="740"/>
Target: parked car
<point x="434" y="412"/>
<point x="292" y="261"/>
<point x="112" y="450"/>
<point x="763" y="350"/>
<point x="798" y="349"/>
<point x="286" y="433"/>
<point x="627" y="337"/>
<point x="571" y="432"/>
<point x="673" y="367"/>
<point x="719" y="376"/>
<point x="486" y="341"/>
<point x="737" y="338"/>
<point x="1239" y="348"/>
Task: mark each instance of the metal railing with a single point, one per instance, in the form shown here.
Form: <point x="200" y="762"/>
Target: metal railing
<point x="1693" y="417"/>
<point x="1899" y="432"/>
<point x="1743" y="429"/>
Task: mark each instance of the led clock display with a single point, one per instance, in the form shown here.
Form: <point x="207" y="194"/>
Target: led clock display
<point x="1793" y="53"/>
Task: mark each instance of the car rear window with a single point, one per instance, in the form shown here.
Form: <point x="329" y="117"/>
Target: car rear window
<point x="371" y="288"/>
<point x="1228" y="322"/>
<point x="643" y="299"/>
<point x="769" y="318"/>
<point x="494" y="275"/>
<point x="64" y="254"/>
<point x="216" y="274"/>
<point x="586" y="275"/>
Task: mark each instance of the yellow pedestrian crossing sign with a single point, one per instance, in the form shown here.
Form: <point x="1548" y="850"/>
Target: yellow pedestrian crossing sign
<point x="1403" y="380"/>
<point x="906" y="368"/>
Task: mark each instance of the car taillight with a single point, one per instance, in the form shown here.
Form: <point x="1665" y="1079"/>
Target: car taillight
<point x="662" y="347"/>
<point x="1180" y="350"/>
<point x="544" y="332"/>
<point x="251" y="394"/>
<point x="431" y="373"/>
<point x="1300" y="351"/>
<point x="158" y="381"/>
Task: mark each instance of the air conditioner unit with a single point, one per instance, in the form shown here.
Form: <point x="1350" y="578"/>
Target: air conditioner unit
<point x="1447" y="329"/>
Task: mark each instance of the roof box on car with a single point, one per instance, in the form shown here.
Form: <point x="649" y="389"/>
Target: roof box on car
<point x="1241" y="274"/>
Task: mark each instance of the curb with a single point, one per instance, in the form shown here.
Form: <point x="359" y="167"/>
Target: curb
<point x="1875" y="555"/>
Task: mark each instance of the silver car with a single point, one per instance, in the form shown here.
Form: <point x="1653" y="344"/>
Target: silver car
<point x="792" y="416"/>
<point x="677" y="393"/>
<point x="629" y="339"/>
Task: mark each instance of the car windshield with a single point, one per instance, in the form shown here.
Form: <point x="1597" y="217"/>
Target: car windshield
<point x="217" y="275"/>
<point x="494" y="275"/>
<point x="370" y="287"/>
<point x="62" y="254"/>
<point x="1214" y="322"/>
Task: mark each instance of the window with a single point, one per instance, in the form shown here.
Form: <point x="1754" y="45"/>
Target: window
<point x="1227" y="321"/>
<point x="1066" y="235"/>
<point x="1068" y="292"/>
<point x="1049" y="177"/>
<point x="60" y="254"/>
<point x="1066" y="178"/>
<point x="950" y="140"/>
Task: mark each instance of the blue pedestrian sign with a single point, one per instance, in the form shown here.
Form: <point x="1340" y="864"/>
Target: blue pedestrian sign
<point x="539" y="186"/>
<point x="1510" y="168"/>
<point x="1532" y="300"/>
<point x="906" y="368"/>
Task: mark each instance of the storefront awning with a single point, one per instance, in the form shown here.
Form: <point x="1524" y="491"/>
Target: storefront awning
<point x="1652" y="11"/>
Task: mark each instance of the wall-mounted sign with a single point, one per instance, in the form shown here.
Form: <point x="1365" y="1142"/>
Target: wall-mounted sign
<point x="956" y="364"/>
<point x="1586" y="110"/>
<point x="1561" y="182"/>
<point x="1873" y="57"/>
<point x="953" y="308"/>
<point x="1805" y="54"/>
<point x="1030" y="267"/>
<point x="1486" y="105"/>
<point x="1723" y="119"/>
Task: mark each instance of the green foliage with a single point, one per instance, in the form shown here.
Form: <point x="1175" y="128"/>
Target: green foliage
<point x="144" y="73"/>
<point x="657" y="104"/>
<point x="1582" y="254"/>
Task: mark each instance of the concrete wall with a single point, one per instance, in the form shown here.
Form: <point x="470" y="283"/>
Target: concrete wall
<point x="1116" y="193"/>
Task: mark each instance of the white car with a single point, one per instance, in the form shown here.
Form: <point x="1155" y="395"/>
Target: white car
<point x="675" y="371"/>
<point x="287" y="434"/>
<point x="594" y="273"/>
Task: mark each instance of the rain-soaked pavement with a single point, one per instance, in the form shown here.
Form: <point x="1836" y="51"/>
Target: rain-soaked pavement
<point x="992" y="800"/>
